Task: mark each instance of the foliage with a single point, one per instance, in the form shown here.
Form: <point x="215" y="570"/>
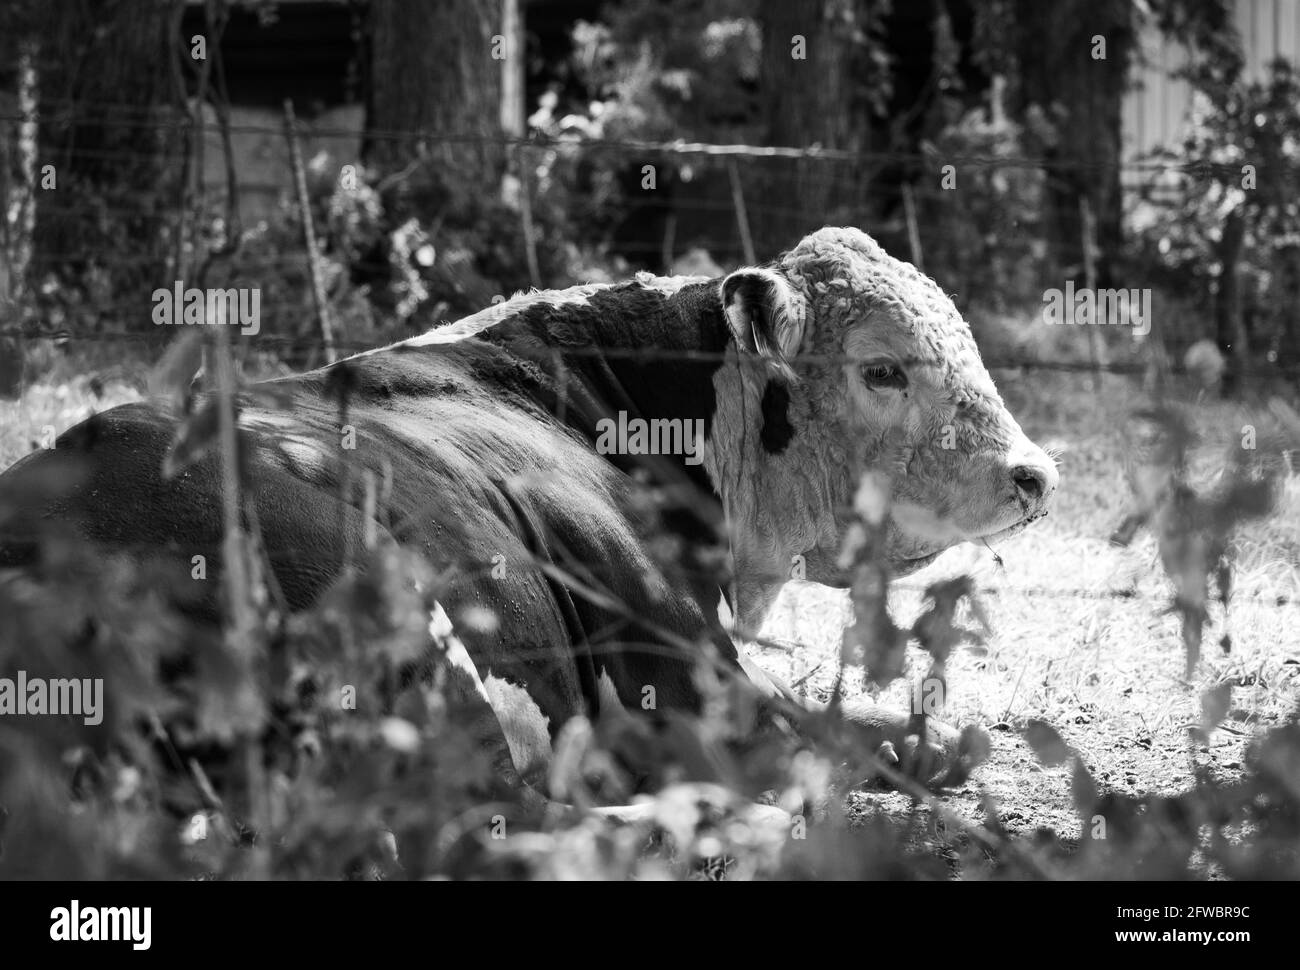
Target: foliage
<point x="986" y="242"/>
<point x="650" y="71"/>
<point x="397" y="254"/>
<point x="338" y="743"/>
<point x="645" y="72"/>
<point x="1240" y="159"/>
<point x="103" y="185"/>
<point x="662" y="71"/>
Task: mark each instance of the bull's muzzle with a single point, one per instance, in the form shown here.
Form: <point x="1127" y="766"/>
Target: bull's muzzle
<point x="1033" y="479"/>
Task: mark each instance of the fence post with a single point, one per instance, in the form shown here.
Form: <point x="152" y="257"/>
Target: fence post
<point x="669" y="240"/>
<point x="913" y="230"/>
<point x="742" y="215"/>
<point x="513" y="124"/>
<point x="309" y="234"/>
<point x="526" y="218"/>
<point x="1089" y="229"/>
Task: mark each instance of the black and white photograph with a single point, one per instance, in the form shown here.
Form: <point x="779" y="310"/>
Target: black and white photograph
<point x="815" y="441"/>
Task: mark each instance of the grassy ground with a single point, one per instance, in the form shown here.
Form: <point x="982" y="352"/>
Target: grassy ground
<point x="1080" y="639"/>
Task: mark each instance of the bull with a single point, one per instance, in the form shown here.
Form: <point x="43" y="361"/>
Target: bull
<point x="782" y="385"/>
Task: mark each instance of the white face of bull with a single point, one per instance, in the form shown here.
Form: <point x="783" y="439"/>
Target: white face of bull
<point x="882" y="375"/>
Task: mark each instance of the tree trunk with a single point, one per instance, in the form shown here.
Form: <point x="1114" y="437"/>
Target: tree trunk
<point x="808" y="100"/>
<point x="1286" y="329"/>
<point x="436" y="69"/>
<point x="1082" y="95"/>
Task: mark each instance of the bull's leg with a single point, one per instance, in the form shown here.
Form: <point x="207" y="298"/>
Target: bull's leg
<point x="894" y="738"/>
<point x="753" y="602"/>
<point x="890" y="735"/>
<point x="485" y="724"/>
<point x="470" y="695"/>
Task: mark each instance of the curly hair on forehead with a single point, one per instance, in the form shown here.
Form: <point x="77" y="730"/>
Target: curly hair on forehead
<point x="847" y="276"/>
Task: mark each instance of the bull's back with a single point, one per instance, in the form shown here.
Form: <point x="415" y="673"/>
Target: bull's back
<point x="474" y="472"/>
<point x="102" y="482"/>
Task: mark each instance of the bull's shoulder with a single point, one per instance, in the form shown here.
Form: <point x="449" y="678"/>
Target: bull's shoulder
<point x="422" y="376"/>
<point x="644" y="313"/>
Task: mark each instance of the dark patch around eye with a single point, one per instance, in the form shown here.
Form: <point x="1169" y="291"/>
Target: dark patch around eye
<point x="777" y="430"/>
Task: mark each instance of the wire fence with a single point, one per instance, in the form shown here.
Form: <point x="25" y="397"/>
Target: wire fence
<point x="912" y="203"/>
<point x="73" y="116"/>
<point x="164" y="335"/>
<point x="161" y="205"/>
<point x="907" y="224"/>
<point x="103" y="111"/>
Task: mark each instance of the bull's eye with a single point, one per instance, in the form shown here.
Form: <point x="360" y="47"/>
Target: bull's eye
<point x="883" y="375"/>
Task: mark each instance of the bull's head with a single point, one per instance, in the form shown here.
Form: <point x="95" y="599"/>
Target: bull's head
<point x="849" y="360"/>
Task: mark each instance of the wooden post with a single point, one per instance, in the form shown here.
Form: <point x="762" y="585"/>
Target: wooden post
<point x="526" y="217"/>
<point x="309" y="234"/>
<point x="913" y="230"/>
<point x="669" y="241"/>
<point x="1089" y="232"/>
<point x="742" y="216"/>
<point x="513" y="124"/>
<point x="1228" y="330"/>
<point x="512" y="69"/>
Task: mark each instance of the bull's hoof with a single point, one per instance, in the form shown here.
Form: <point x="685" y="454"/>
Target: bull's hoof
<point x="950" y="764"/>
<point x="945" y="758"/>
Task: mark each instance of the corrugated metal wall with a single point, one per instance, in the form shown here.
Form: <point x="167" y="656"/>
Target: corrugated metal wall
<point x="1155" y="109"/>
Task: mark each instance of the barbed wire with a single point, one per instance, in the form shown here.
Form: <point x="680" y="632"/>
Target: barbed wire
<point x="995" y="588"/>
<point x="649" y="200"/>
<point x="676" y="147"/>
<point x="660" y="197"/>
<point x="307" y="340"/>
<point x="474" y="569"/>
<point x="1274" y="600"/>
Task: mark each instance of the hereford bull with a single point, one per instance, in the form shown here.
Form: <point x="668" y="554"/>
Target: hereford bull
<point x="540" y="449"/>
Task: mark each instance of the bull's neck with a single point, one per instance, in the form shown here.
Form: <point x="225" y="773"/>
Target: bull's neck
<point x="782" y="485"/>
<point x="653" y="354"/>
<point x="641" y="352"/>
<point x="629" y="354"/>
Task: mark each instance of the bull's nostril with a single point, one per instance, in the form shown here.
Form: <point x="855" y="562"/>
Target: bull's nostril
<point x="1031" y="482"/>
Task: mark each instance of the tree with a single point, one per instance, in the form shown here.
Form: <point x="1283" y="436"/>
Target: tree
<point x="101" y="71"/>
<point x="823" y="71"/>
<point x="1235" y="239"/>
<point x="435" y="68"/>
<point x="1068" y="62"/>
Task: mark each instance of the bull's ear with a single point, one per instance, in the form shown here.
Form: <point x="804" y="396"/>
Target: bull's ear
<point x="766" y="315"/>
